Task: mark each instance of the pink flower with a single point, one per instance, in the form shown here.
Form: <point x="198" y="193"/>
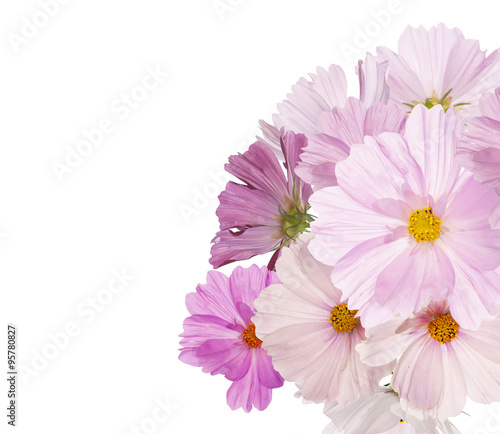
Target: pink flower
<point x="380" y="413"/>
<point x="439" y="66"/>
<point x="341" y="128"/>
<point x="316" y="109"/>
<point x="301" y="110"/>
<point x="406" y="226"/>
<point x="441" y="362"/>
<point x="219" y="336"/>
<point x="481" y="142"/>
<point x="310" y="334"/>
<point x="268" y="211"/>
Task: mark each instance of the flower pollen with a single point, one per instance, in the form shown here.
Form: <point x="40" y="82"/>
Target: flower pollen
<point x="424" y="226"/>
<point x="443" y="328"/>
<point x="343" y="319"/>
<point x="250" y="338"/>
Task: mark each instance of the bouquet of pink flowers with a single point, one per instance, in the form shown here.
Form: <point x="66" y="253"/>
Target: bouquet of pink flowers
<point x="381" y="217"/>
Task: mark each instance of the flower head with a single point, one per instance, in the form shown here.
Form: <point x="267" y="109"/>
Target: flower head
<point x="405" y="225"/>
<point x="380" y="413"/>
<point x="310" y="333"/>
<point x="220" y="337"/>
<point x="339" y="129"/>
<point x="440" y="361"/>
<point x="269" y="210"/>
<point x="480" y="145"/>
<point x="440" y="67"/>
<point x="326" y="89"/>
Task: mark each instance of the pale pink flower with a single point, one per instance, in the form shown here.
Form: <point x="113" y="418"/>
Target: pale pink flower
<point x="310" y="334"/>
<point x="380" y="413"/>
<point x="341" y="128"/>
<point x="440" y="362"/>
<point x="440" y="66"/>
<point x="480" y="146"/>
<point x="309" y="98"/>
<point x="325" y="90"/>
<point x="406" y="226"/>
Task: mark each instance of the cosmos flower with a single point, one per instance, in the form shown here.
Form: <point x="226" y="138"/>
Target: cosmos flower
<point x="380" y="413"/>
<point x="268" y="211"/>
<point x="325" y="90"/>
<point x="309" y="98"/>
<point x="405" y="225"/>
<point x="480" y="145"/>
<point x="310" y="334"/>
<point x="441" y="362"/>
<point x="219" y="336"/>
<point x="341" y="128"/>
<point x="440" y="67"/>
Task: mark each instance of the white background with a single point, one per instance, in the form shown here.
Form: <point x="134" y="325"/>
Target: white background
<point x="125" y="205"/>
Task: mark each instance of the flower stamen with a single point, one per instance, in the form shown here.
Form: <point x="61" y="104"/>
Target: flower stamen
<point x="424" y="226"/>
<point x="443" y="328"/>
<point x="343" y="319"/>
<point x="250" y="338"/>
<point x="434" y="100"/>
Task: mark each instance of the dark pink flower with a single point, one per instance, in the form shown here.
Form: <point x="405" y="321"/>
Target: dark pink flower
<point x="219" y="336"/>
<point x="269" y="210"/>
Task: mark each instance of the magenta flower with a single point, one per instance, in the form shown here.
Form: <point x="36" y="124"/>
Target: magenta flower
<point x="219" y="336"/>
<point x="267" y="212"/>
<point x="406" y="225"/>
<point x="480" y="144"/>
<point x="440" y="362"/>
<point x="440" y="66"/>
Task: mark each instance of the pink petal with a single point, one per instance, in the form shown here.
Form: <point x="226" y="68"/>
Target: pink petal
<point x="259" y="168"/>
<point x="301" y="110"/>
<point x="229" y="247"/>
<point x="412" y="279"/>
<point x="429" y="379"/>
<point x="242" y="206"/>
<point x="432" y="139"/>
<point x="213" y="298"/>
<point x="372" y="85"/>
<point x="248" y="392"/>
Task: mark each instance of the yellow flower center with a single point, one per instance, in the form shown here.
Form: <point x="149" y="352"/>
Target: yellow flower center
<point x="443" y="328"/>
<point x="250" y="338"/>
<point x="343" y="319"/>
<point x="424" y="226"/>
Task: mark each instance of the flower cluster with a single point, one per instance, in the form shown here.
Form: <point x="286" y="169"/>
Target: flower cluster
<point x="381" y="219"/>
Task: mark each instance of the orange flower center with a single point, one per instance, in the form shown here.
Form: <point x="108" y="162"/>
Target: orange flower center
<point x="250" y="338"/>
<point x="443" y="328"/>
<point x="343" y="319"/>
